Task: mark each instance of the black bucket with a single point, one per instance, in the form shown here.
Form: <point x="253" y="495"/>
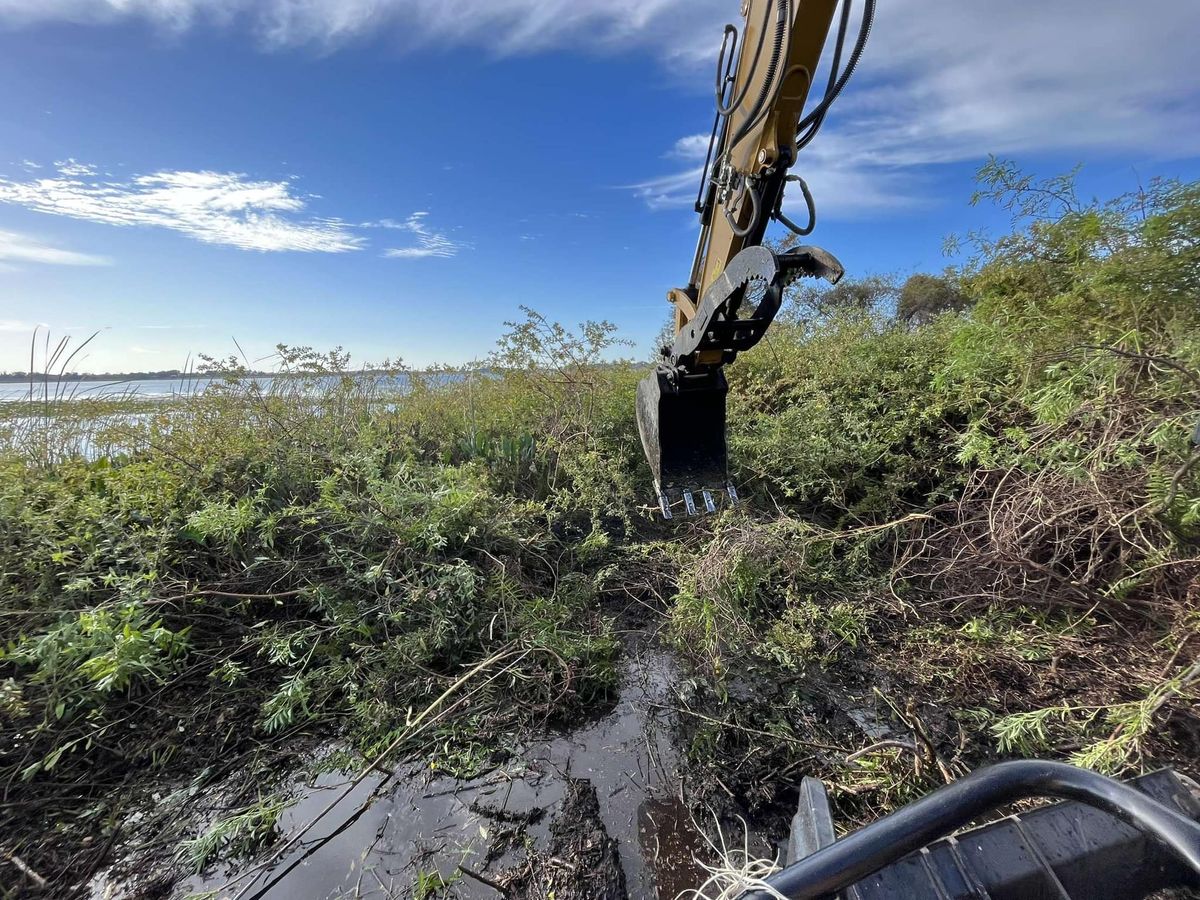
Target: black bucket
<point x="681" y="419"/>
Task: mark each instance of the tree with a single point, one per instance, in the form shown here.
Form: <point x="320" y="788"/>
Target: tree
<point x="816" y="301"/>
<point x="924" y="297"/>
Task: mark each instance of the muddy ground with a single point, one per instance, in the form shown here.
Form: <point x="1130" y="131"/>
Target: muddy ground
<point x="632" y="803"/>
<point x="616" y="808"/>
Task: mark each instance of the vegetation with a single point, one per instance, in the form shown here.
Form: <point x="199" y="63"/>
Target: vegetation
<point x="925" y="297"/>
<point x="978" y="516"/>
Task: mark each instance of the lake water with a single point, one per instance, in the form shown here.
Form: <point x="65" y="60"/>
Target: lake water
<point x="90" y="390"/>
<point x="165" y="388"/>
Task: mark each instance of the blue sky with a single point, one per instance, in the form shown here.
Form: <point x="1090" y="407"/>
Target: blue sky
<point x="399" y="176"/>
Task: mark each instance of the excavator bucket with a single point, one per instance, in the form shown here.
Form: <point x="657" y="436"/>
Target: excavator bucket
<point x="681" y="404"/>
<point x="681" y="419"/>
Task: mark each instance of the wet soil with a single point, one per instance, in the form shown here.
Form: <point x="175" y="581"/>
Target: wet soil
<point x="613" y="808"/>
<point x="581" y="860"/>
<point x="596" y="812"/>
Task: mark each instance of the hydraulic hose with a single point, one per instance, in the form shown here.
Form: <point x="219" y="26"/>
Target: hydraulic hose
<point x="868" y="850"/>
<point x="835" y="68"/>
<point x="755" y="209"/>
<point x="722" y="108"/>
<point x="726" y="63"/>
<point x="860" y="45"/>
<point x="769" y="87"/>
<point x="779" y="216"/>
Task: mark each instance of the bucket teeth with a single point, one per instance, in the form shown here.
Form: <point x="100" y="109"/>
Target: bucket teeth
<point x="689" y="503"/>
<point x="711" y="498"/>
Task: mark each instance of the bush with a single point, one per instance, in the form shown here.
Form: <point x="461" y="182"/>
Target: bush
<point x="924" y="297"/>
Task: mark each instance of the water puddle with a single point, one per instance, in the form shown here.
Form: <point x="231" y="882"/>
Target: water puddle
<point x="423" y="827"/>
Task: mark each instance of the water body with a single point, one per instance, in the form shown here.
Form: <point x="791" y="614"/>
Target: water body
<point x="168" y="388"/>
<point x="143" y="389"/>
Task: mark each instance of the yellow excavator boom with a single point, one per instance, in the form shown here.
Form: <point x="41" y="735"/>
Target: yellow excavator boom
<point x="765" y="76"/>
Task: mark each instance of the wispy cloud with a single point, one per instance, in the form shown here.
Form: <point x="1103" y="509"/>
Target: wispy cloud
<point x="70" y="168"/>
<point x="677" y="189"/>
<point x="20" y="248"/>
<point x="503" y="26"/>
<point x="214" y="207"/>
<point x="11" y="325"/>
<point x="144" y="351"/>
<point x="429" y="243"/>
<point x="947" y="82"/>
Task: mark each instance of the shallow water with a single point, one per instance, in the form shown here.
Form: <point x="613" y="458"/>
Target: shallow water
<point x="422" y="823"/>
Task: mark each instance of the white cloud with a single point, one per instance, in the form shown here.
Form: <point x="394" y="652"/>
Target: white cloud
<point x="146" y="351"/>
<point x="943" y="81"/>
<point x="70" y="168"/>
<point x="20" y="248"/>
<point x="693" y="147"/>
<point x="429" y="243"/>
<point x="214" y="207"/>
<point x="502" y="26"/>
<point x="11" y="325"/>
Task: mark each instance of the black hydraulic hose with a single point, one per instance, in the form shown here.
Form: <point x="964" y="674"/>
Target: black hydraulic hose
<point x="868" y="850"/>
<point x="755" y="208"/>
<point x="860" y="44"/>
<point x="724" y="67"/>
<point x="778" y="214"/>
<point x="724" y="70"/>
<point x="835" y="68"/>
<point x="726" y="109"/>
<point x="761" y="105"/>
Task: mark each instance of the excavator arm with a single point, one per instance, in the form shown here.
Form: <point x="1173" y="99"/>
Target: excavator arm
<point x="765" y="76"/>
